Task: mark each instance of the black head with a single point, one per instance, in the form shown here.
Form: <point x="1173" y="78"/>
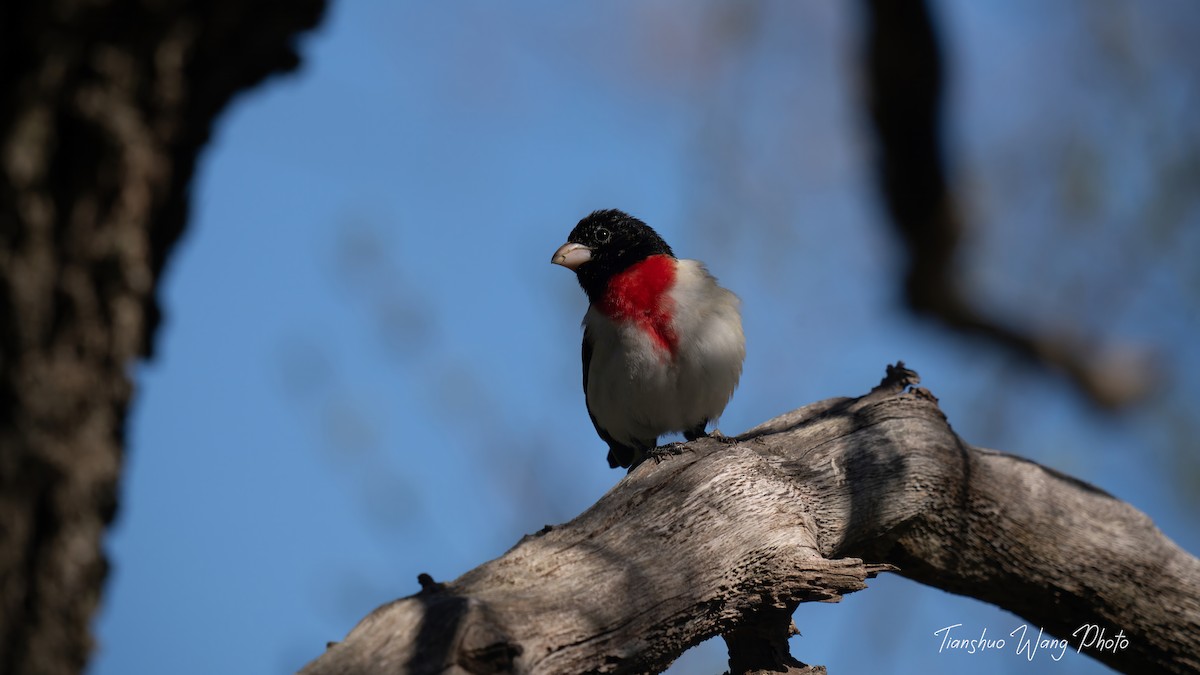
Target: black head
<point x="616" y="240"/>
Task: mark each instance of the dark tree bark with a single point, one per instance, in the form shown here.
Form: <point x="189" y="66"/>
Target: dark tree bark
<point x="103" y="109"/>
<point x="726" y="540"/>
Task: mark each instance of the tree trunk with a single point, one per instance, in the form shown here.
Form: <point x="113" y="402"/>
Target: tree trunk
<point x="726" y="540"/>
<point x="103" y="109"/>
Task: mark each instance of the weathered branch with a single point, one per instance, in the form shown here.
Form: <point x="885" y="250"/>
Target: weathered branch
<point x="726" y="540"/>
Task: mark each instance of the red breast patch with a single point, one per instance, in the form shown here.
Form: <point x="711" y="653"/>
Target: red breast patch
<point x="639" y="294"/>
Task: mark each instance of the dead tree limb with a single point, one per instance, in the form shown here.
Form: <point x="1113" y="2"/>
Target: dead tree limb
<point x="726" y="540"/>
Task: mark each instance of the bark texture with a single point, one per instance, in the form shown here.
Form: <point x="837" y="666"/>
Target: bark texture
<point x="726" y="540"/>
<point x="103" y="109"/>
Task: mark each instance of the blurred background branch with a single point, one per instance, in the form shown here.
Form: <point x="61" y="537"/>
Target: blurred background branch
<point x="905" y="75"/>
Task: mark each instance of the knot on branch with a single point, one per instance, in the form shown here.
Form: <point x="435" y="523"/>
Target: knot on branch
<point x="900" y="379"/>
<point x="897" y="379"/>
<point x="428" y="585"/>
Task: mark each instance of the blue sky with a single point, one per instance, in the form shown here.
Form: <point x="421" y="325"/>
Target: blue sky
<point x="369" y="370"/>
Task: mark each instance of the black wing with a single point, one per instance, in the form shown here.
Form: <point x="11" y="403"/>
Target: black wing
<point x="618" y="455"/>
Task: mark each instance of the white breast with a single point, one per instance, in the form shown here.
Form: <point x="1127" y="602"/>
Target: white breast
<point x="638" y="391"/>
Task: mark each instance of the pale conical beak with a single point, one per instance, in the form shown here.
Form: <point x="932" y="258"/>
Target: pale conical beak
<point x="571" y="256"/>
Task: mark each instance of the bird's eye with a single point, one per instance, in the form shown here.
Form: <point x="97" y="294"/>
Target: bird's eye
<point x="603" y="235"/>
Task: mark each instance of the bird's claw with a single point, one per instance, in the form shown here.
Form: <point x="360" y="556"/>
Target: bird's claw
<point x="716" y="435"/>
<point x="658" y="454"/>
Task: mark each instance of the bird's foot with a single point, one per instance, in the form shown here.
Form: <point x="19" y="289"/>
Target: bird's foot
<point x="716" y="435"/>
<point x="658" y="454"/>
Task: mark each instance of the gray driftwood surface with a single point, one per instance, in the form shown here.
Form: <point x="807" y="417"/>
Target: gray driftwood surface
<point x="728" y="539"/>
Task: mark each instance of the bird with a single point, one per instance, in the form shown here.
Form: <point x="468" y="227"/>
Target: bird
<point x="663" y="344"/>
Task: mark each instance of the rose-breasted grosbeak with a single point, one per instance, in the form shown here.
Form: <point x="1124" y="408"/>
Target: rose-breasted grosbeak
<point x="662" y="342"/>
